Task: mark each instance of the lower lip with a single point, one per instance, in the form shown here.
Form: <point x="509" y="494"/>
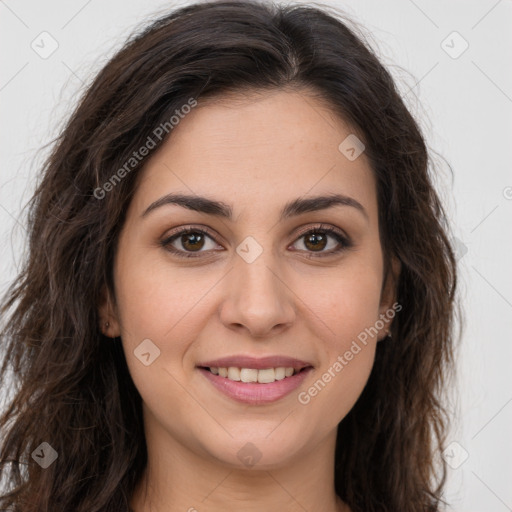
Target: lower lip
<point x="253" y="393"/>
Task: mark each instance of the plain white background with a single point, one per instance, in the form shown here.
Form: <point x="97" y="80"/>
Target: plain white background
<point x="463" y="99"/>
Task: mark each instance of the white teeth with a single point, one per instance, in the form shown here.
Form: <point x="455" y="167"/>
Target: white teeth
<point x="280" y="373"/>
<point x="264" y="376"/>
<point x="248" y="375"/>
<point x="233" y="373"/>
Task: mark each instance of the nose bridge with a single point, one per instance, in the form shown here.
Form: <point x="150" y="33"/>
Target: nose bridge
<point x="255" y="272"/>
<point x="258" y="297"/>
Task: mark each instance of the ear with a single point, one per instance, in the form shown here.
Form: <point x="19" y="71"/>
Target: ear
<point x="387" y="307"/>
<point x="109" y="321"/>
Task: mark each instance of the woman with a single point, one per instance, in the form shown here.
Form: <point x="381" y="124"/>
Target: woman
<point x="239" y="291"/>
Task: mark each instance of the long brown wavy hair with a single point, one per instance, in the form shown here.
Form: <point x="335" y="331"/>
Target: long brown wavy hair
<point x="69" y="386"/>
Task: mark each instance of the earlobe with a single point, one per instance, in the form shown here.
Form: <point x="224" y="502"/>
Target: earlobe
<point x="109" y="324"/>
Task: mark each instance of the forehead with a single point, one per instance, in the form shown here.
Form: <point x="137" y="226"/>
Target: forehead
<point x="257" y="149"/>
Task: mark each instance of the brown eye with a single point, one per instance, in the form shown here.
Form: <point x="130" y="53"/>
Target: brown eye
<point x="316" y="240"/>
<point x="188" y="241"/>
<point x="192" y="241"/>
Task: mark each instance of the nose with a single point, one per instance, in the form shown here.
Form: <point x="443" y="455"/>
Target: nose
<point x="257" y="298"/>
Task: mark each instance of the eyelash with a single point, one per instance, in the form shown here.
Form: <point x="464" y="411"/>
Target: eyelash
<point x="321" y="229"/>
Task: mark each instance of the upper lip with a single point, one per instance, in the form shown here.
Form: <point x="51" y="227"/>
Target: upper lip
<point x="257" y="363"/>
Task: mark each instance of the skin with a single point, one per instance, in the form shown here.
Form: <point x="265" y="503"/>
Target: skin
<point x="254" y="153"/>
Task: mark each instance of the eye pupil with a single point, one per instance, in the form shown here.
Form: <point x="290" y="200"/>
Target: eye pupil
<point x="315" y="238"/>
<point x="192" y="238"/>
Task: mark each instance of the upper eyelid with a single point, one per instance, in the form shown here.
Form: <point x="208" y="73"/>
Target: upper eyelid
<point x="302" y="231"/>
<point x="185" y="229"/>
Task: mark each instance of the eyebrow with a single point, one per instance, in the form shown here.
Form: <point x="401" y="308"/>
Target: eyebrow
<point x="219" y="209"/>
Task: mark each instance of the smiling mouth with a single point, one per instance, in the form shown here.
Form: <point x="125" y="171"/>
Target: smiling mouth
<point x="252" y="375"/>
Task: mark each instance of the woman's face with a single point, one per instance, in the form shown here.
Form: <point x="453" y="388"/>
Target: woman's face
<point x="257" y="285"/>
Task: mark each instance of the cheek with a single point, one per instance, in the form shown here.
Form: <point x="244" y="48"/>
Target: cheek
<point x="166" y="307"/>
<point x="157" y="300"/>
<point x="339" y="384"/>
<point x="348" y="357"/>
<point x="353" y="299"/>
<point x="351" y="309"/>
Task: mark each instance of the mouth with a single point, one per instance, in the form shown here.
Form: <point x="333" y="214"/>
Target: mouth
<point x="255" y="386"/>
<point x="254" y="375"/>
